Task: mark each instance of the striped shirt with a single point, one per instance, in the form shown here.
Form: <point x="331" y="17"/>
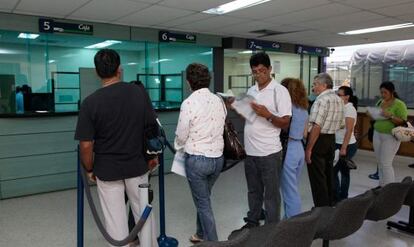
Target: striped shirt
<point x="327" y="112"/>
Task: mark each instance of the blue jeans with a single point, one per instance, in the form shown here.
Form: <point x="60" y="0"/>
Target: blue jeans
<point x="202" y="172"/>
<point x="342" y="187"/>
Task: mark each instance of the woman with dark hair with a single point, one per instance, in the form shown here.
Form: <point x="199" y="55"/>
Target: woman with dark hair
<point x="386" y="146"/>
<point x="295" y="154"/>
<point x="345" y="142"/>
<point x="200" y="135"/>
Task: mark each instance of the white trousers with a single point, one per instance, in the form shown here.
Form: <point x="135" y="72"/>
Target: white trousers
<point x="112" y="199"/>
<point x="385" y="148"/>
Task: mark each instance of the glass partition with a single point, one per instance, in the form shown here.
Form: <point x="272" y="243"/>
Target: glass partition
<point x="46" y="68"/>
<point x="403" y="78"/>
<point x="237" y="73"/>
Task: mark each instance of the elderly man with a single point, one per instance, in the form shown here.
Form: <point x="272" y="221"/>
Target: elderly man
<point x="326" y="117"/>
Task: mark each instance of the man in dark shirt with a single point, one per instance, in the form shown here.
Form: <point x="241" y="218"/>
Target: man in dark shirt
<point x="110" y="129"/>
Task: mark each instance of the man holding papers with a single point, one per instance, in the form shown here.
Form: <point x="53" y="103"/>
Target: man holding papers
<point x="263" y="164"/>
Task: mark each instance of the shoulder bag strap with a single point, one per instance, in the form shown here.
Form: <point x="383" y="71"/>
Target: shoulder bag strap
<point x="223" y="104"/>
<point x="275" y="99"/>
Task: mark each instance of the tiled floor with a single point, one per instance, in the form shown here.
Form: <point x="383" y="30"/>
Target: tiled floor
<point x="50" y="219"/>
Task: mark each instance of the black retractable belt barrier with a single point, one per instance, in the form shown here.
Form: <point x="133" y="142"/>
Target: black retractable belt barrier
<point x="132" y="235"/>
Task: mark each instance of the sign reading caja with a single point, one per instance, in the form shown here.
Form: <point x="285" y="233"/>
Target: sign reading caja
<point x="253" y="44"/>
<point x="310" y="50"/>
<point x="51" y="26"/>
<point x="166" y="36"/>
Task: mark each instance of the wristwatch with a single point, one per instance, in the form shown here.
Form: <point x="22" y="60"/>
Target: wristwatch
<point x="270" y="119"/>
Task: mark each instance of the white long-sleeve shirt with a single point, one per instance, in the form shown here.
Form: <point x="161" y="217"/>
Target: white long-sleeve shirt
<point x="201" y="124"/>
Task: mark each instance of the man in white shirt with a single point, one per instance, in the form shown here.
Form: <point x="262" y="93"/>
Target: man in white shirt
<point x="263" y="163"/>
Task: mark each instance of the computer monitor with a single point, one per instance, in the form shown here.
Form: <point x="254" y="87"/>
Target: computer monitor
<point x="39" y="102"/>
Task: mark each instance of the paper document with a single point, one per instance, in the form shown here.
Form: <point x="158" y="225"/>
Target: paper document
<point x="375" y="112"/>
<point x="336" y="156"/>
<point x="242" y="105"/>
<point x="178" y="165"/>
<point x="228" y="94"/>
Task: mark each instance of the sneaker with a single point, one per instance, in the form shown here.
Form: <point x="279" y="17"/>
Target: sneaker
<point x="374" y="176"/>
<point x="195" y="239"/>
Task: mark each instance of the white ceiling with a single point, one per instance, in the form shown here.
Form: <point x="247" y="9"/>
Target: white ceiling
<point x="310" y="22"/>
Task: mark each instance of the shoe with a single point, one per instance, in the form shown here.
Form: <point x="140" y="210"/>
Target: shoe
<point x="195" y="239"/>
<point x="411" y="166"/>
<point x="248" y="225"/>
<point x="374" y="176"/>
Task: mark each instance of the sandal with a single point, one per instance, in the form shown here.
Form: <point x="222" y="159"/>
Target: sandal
<point x="195" y="239"/>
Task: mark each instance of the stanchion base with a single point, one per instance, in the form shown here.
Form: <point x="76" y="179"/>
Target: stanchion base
<point x="402" y="226"/>
<point x="164" y="241"/>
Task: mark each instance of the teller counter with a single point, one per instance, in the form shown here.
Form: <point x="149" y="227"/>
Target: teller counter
<point x="38" y="151"/>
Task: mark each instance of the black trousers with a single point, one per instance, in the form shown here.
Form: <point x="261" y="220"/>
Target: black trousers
<point x="321" y="170"/>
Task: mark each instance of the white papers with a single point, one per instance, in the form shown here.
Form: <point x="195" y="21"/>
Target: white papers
<point x="375" y="112"/>
<point x="178" y="165"/>
<point x="336" y="156"/>
<point x="242" y="105"/>
<point x="228" y="94"/>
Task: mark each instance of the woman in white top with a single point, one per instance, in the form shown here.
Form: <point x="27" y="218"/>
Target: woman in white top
<point x="200" y="133"/>
<point x="345" y="142"/>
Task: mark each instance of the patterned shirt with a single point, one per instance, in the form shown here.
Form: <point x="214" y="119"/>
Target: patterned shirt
<point x="201" y="124"/>
<point x="327" y="112"/>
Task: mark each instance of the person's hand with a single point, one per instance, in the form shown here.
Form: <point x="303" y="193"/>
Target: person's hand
<point x="91" y="177"/>
<point x="308" y="155"/>
<point x="228" y="101"/>
<point x="386" y="114"/>
<point x="261" y="110"/>
<point x="152" y="164"/>
<point x="342" y="151"/>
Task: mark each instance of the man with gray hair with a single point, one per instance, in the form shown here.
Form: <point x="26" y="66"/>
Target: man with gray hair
<point x="326" y="117"/>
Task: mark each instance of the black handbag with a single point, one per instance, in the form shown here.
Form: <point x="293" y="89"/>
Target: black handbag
<point x="233" y="149"/>
<point x="371" y="131"/>
<point x="154" y="135"/>
<point x="154" y="140"/>
<point x="344" y="161"/>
